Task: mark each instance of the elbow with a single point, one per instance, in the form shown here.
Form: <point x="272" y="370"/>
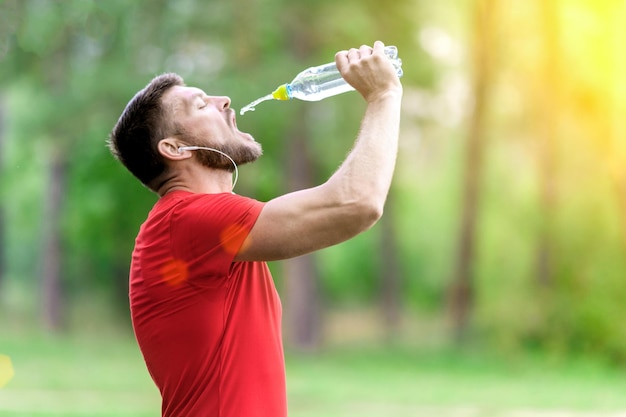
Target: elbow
<point x="356" y="209"/>
<point x="367" y="213"/>
<point x="375" y="213"/>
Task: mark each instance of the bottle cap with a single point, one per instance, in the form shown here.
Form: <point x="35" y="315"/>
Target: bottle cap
<point x="281" y="93"/>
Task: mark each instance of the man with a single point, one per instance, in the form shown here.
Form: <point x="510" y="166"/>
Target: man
<point x="205" y="312"/>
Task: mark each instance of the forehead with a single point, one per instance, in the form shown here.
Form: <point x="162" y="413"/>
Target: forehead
<point x="181" y="94"/>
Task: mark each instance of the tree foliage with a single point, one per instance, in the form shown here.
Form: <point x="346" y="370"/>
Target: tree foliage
<point x="69" y="67"/>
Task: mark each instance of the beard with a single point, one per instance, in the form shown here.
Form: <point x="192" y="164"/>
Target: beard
<point x="240" y="152"/>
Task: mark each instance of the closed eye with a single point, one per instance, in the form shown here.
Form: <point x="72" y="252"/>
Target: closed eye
<point x="200" y="103"/>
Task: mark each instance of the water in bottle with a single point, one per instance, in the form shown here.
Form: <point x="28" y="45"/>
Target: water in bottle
<point x="317" y="83"/>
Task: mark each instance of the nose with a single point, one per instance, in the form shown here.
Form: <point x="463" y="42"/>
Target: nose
<point x="223" y="102"/>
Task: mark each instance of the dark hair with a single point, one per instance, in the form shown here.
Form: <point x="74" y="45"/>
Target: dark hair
<point x="143" y="123"/>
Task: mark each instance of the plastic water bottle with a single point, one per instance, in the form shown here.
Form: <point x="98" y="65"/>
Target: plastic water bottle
<point x="317" y="83"/>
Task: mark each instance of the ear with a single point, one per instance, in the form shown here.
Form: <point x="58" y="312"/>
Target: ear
<point x="168" y="148"/>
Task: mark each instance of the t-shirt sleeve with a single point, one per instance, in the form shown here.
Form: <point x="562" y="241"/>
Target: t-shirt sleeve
<point x="209" y="229"/>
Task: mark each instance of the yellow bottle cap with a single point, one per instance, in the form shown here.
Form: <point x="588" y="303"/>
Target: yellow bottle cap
<point x="281" y="93"/>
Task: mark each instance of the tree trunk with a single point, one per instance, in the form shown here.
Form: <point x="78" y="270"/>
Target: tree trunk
<point x="462" y="289"/>
<point x="618" y="108"/>
<point x="303" y="318"/>
<point x="390" y="276"/>
<point x="549" y="106"/>
<point x="51" y="285"/>
<point x="3" y="265"/>
<point x="301" y="276"/>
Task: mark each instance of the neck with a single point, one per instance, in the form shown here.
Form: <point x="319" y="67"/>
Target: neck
<point x="197" y="179"/>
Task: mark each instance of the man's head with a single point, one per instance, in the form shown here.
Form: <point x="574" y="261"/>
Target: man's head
<point x="144" y="122"/>
<point x="165" y="115"/>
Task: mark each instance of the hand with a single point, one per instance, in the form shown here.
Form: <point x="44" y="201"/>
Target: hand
<point x="369" y="71"/>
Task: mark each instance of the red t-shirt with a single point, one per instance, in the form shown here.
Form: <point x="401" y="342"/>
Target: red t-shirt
<point x="209" y="328"/>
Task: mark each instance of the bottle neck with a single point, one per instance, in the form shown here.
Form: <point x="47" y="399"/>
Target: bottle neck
<point x="283" y="92"/>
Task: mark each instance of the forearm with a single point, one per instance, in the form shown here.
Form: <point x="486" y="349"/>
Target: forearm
<point x="366" y="174"/>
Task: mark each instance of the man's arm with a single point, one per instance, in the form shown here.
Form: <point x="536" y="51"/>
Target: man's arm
<point x="352" y="199"/>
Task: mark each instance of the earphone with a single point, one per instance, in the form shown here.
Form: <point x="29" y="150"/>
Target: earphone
<point x="204" y="148"/>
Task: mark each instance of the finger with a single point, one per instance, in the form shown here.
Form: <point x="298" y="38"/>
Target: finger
<point x="379" y="47"/>
<point x="353" y="54"/>
<point x="341" y="58"/>
<point x="365" y="50"/>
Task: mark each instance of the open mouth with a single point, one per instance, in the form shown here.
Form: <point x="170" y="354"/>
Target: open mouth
<point x="233" y="121"/>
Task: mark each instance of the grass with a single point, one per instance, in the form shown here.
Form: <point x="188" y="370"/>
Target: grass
<point x="385" y="383"/>
<point x="102" y="374"/>
<point x="99" y="375"/>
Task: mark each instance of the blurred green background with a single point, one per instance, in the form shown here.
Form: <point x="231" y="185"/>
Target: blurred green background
<point x="495" y="283"/>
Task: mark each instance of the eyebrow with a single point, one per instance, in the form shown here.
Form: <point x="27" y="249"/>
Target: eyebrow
<point x="186" y="101"/>
<point x="196" y="95"/>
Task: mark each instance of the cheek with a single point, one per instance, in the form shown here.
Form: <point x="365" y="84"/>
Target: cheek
<point x="202" y="127"/>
